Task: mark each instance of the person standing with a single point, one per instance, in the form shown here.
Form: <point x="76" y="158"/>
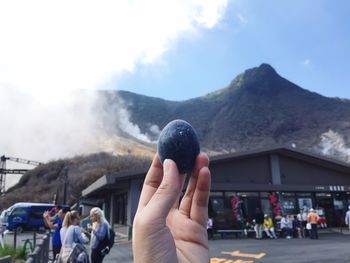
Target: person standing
<point x="1" y="235"/>
<point x="259" y="221"/>
<point x="313" y="219"/>
<point x="347" y="217"/>
<point x="210" y="228"/>
<point x="56" y="226"/>
<point x="302" y="218"/>
<point x="71" y="234"/>
<point x="268" y="227"/>
<point x="99" y="231"/>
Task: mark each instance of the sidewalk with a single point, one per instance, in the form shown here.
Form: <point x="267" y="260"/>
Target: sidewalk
<point x="120" y="252"/>
<point x="342" y="230"/>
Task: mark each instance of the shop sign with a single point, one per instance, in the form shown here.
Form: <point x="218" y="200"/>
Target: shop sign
<point x="337" y="188"/>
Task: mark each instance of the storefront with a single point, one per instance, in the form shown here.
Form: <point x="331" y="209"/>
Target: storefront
<point x="230" y="210"/>
<point x="278" y="181"/>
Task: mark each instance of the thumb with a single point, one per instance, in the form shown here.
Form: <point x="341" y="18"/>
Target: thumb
<point x="168" y="191"/>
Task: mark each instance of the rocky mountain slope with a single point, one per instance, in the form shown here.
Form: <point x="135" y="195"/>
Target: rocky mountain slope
<point x="259" y="108"/>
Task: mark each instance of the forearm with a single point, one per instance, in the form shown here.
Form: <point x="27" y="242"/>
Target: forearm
<point x="49" y="223"/>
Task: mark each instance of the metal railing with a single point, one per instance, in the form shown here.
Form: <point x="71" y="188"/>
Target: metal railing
<point x="41" y="251"/>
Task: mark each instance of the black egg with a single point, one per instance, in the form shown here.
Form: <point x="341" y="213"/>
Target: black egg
<point x="179" y="142"/>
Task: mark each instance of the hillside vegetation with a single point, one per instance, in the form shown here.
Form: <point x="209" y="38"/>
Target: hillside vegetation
<point x="44" y="182"/>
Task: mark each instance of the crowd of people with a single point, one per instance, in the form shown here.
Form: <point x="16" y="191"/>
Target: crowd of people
<point x="302" y="225"/>
<point x="69" y="239"/>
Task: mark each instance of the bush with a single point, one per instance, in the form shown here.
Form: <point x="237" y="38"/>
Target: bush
<point x="18" y="253"/>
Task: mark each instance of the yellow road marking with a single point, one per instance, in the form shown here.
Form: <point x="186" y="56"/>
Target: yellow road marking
<point x="237" y="253"/>
<point x="224" y="260"/>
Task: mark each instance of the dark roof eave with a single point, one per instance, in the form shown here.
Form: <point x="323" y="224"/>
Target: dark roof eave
<point x="106" y="180"/>
<point x="296" y="153"/>
<point x="98" y="184"/>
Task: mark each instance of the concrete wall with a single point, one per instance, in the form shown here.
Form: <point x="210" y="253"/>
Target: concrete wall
<point x="295" y="171"/>
<point x="242" y="171"/>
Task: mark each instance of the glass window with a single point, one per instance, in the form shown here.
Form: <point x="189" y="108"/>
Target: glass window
<point x="288" y="206"/>
<point x="264" y="194"/>
<point x="228" y="198"/>
<point x="266" y="206"/>
<point x="217" y="201"/>
<point x="248" y="194"/>
<point x="338" y="204"/>
<point x="19" y="212"/>
<point x="284" y="194"/>
<point x="304" y="194"/>
<point x="216" y="194"/>
<point x="323" y="195"/>
<point x="305" y="203"/>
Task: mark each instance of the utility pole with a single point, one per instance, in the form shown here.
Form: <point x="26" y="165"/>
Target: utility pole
<point x="65" y="186"/>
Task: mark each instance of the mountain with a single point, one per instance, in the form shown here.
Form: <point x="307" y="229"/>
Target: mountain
<point x="259" y="108"/>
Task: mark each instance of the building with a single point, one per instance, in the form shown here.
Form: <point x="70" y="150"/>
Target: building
<point x="278" y="181"/>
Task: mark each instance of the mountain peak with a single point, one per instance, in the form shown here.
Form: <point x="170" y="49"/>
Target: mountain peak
<point x="266" y="68"/>
<point x="263" y="71"/>
<point x="255" y="78"/>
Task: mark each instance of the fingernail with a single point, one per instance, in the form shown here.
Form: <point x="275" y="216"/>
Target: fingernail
<point x="166" y="164"/>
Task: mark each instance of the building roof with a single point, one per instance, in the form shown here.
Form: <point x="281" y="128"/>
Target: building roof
<point x="320" y="160"/>
<point x="107" y="181"/>
<point x="110" y="179"/>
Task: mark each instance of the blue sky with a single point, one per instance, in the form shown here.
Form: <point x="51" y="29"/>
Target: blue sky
<point x="307" y="42"/>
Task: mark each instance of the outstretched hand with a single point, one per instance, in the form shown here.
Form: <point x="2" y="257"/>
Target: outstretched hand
<point x="164" y="230"/>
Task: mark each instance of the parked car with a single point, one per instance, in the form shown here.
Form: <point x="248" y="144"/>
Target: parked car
<point x="27" y="216"/>
<point x="2" y="217"/>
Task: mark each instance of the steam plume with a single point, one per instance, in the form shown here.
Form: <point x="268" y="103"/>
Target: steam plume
<point x="55" y="55"/>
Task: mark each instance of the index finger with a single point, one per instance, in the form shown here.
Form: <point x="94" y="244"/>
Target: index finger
<point x="152" y="181"/>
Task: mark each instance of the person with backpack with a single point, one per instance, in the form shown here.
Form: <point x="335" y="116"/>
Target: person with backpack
<point x="72" y="239"/>
<point x="100" y="233"/>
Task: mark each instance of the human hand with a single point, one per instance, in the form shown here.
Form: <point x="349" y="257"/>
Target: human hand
<point x="163" y="230"/>
<point x="46" y="214"/>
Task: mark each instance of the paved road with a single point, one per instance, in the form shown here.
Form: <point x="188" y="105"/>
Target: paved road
<point x="329" y="248"/>
<point x="9" y="237"/>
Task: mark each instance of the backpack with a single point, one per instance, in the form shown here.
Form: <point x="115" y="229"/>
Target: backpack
<point x="110" y="237"/>
<point x="79" y="254"/>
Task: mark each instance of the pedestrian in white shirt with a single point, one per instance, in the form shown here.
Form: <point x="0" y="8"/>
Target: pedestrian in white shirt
<point x="347" y="217"/>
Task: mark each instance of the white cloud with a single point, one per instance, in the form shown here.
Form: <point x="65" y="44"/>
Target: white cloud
<point x="49" y="49"/>
<point x="81" y="44"/>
